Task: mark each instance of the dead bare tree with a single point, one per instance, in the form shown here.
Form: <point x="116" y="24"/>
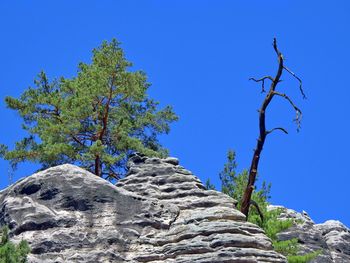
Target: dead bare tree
<point x="246" y="200"/>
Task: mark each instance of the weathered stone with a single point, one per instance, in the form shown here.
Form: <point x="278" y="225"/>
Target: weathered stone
<point x="331" y="237"/>
<point x="160" y="212"/>
<point x="172" y="160"/>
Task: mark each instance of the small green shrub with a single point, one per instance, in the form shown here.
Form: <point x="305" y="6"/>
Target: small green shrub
<point x="286" y="247"/>
<point x="209" y="185"/>
<point x="11" y="253"/>
<point x="303" y="258"/>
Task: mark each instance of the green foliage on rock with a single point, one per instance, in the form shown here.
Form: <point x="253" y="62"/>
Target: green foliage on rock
<point x="209" y="185"/>
<point x="272" y="225"/>
<point x="11" y="253"/>
<point x="95" y="119"/>
<point x="234" y="184"/>
<point x="303" y="258"/>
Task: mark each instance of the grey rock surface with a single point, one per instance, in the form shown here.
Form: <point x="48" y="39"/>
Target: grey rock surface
<point x="158" y="213"/>
<point x="331" y="237"/>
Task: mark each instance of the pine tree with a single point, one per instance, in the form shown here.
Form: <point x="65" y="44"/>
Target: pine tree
<point x="94" y="120"/>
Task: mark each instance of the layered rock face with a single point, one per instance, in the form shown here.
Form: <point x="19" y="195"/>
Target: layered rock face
<point x="205" y="227"/>
<point x="332" y="238"/>
<point x="158" y="213"/>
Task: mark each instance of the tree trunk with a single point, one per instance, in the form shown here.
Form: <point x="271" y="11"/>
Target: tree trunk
<point x="246" y="199"/>
<point x="98" y="166"/>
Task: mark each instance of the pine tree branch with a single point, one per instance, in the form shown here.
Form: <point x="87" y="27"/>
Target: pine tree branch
<point x="56" y="113"/>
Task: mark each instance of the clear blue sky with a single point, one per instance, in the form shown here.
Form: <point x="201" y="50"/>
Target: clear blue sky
<point x="199" y="56"/>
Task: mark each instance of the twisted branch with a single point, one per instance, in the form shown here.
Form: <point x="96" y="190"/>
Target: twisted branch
<point x="263" y="82"/>
<point x="300" y="82"/>
<point x="297" y="110"/>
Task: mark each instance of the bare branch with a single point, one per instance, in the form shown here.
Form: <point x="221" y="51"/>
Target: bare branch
<point x="263" y="81"/>
<point x="278" y="128"/>
<point x="300" y="81"/>
<point x="297" y="110"/>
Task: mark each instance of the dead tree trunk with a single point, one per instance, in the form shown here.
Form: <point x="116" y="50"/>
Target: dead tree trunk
<point x="246" y="200"/>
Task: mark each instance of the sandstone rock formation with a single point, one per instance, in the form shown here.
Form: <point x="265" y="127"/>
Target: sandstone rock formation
<point x="159" y="213"/>
<point x="331" y="237"/>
